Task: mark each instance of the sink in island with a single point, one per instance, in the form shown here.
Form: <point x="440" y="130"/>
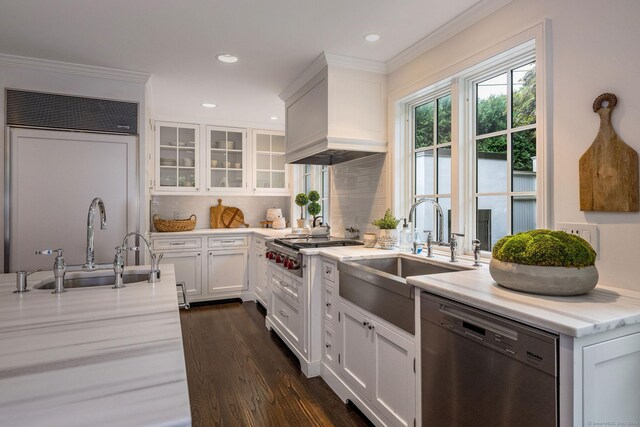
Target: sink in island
<point x="92" y="356"/>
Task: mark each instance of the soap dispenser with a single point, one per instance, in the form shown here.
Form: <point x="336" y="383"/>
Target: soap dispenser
<point x="405" y="237"/>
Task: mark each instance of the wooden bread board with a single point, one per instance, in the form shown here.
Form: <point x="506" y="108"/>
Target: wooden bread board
<point x="233" y="218"/>
<point x="216" y="215"/>
<point x="609" y="168"/>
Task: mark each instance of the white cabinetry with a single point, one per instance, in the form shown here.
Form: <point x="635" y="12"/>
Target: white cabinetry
<point x="188" y="269"/>
<point x="269" y="169"/>
<point x="177" y="157"/>
<point x="378" y="364"/>
<point x="226" y="271"/>
<point x="258" y="271"/>
<point x="226" y="160"/>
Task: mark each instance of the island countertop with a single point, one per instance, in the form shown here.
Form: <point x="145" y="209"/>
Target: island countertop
<point x="92" y="356"/>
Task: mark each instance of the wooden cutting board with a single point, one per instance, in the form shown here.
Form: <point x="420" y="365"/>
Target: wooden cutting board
<point x="609" y="168"/>
<point x="233" y="218"/>
<point x="216" y="215"/>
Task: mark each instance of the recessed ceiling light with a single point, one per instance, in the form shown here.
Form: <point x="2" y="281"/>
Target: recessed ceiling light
<point x="228" y="59"/>
<point x="372" y="37"/>
<point x="209" y="105"/>
<point x="274" y="117"/>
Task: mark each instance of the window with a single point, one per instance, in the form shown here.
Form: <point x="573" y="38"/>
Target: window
<point x="472" y="145"/>
<point x="505" y="153"/>
<point x="313" y="177"/>
<point x="432" y="161"/>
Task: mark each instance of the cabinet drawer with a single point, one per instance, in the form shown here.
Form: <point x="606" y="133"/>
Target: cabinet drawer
<point x="329" y="303"/>
<point x="227" y="242"/>
<point x="287" y="287"/>
<point x="286" y="315"/>
<point x="168" y="244"/>
<point x="329" y="270"/>
<point x="259" y="243"/>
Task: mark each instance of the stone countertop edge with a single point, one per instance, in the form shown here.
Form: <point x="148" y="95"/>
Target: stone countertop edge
<point x="92" y="356"/>
<point x="605" y="308"/>
<point x="262" y="232"/>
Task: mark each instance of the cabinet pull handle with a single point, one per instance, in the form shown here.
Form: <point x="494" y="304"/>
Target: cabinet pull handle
<point x="177" y="243"/>
<point x="327" y="270"/>
<point x="365" y="323"/>
<point x="227" y="241"/>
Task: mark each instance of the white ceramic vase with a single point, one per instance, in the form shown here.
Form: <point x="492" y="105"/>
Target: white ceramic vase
<point x="388" y="239"/>
<point x="543" y="280"/>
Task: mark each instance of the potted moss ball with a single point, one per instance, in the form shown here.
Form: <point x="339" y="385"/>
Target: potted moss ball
<point x="388" y="234"/>
<point x="544" y="262"/>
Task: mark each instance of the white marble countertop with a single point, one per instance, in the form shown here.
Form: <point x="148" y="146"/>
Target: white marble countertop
<point x="602" y="309"/>
<point x="92" y="356"/>
<point x="263" y="232"/>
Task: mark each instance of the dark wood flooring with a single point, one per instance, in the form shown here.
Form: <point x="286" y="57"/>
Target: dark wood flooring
<point x="240" y="374"/>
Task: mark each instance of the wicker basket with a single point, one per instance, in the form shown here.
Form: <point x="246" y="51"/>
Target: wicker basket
<point x="174" y="224"/>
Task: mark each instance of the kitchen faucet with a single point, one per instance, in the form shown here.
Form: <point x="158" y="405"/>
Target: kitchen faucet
<point x="453" y="243"/>
<point x="440" y="216"/>
<point x="96" y="203"/>
<point x="154" y="274"/>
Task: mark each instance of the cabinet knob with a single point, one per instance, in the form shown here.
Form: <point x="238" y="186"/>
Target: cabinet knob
<point x="327" y="345"/>
<point x="328" y="304"/>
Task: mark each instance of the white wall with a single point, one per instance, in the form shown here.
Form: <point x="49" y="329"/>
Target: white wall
<point x="593" y="48"/>
<point x="38" y="79"/>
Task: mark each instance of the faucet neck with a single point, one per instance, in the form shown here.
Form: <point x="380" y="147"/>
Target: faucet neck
<point x="98" y="204"/>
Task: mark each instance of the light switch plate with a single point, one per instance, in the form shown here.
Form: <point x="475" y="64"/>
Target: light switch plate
<point x="588" y="232"/>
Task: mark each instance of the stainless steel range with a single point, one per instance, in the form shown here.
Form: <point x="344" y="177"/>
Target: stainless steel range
<point x="285" y="252"/>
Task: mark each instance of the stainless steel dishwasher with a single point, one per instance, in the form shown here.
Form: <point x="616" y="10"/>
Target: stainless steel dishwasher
<point x="479" y="369"/>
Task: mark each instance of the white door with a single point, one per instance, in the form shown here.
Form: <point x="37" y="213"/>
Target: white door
<point x="356" y="364"/>
<point x="188" y="268"/>
<point x="227" y="271"/>
<point x="54" y="177"/>
<point x="394" y="385"/>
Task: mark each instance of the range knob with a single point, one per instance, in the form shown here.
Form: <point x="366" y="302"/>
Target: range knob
<point x="271" y="255"/>
<point x="294" y="265"/>
<point x="287" y="262"/>
<point x="279" y="259"/>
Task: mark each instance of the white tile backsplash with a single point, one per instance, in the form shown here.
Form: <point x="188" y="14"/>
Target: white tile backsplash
<point x="358" y="194"/>
<point x="253" y="207"/>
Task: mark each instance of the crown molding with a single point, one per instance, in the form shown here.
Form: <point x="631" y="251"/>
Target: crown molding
<point x="332" y="60"/>
<point x="456" y="25"/>
<point x="74" y="69"/>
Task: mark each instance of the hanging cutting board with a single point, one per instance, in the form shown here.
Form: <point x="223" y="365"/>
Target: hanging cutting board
<point x="233" y="218"/>
<point x="216" y="215"/>
<point x="609" y="168"/>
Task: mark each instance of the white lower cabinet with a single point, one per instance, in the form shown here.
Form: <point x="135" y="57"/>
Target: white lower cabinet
<point x="227" y="271"/>
<point x="378" y="364"/>
<point x="188" y="269"/>
<point x="258" y="279"/>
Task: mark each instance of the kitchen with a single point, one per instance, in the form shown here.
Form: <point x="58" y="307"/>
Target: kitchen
<point x="367" y="97"/>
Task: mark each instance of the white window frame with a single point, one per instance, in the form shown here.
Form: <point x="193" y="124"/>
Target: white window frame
<point x="314" y="173"/>
<point x="458" y="77"/>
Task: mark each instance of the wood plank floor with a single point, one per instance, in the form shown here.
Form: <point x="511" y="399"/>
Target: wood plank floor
<point x="240" y="374"/>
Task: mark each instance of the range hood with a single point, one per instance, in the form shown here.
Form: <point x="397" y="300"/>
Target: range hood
<point x="336" y="111"/>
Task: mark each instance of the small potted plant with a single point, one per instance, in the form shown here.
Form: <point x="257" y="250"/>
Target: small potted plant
<point x="302" y="200"/>
<point x="388" y="234"/>
<point x="314" y="207"/>
<point x="544" y="262"/>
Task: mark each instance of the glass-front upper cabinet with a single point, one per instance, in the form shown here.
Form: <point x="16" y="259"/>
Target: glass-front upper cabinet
<point x="177" y="157"/>
<point x="270" y="170"/>
<point x="226" y="159"/>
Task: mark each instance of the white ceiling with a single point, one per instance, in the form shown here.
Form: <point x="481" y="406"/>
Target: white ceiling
<point x="177" y="41"/>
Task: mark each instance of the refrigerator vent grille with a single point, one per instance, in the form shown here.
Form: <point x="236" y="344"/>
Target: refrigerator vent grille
<point x="46" y="110"/>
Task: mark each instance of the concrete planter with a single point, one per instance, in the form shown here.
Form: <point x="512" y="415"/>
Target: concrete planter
<point x="388" y="239"/>
<point x="542" y="280"/>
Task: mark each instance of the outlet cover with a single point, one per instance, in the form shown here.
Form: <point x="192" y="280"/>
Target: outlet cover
<point x="588" y="232"/>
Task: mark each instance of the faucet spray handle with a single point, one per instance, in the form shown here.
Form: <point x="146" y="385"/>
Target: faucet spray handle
<point x="49" y="252"/>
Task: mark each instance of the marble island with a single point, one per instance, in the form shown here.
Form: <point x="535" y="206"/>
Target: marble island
<point x="92" y="356"/>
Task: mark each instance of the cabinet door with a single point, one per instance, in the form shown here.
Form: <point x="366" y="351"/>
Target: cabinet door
<point x="188" y="268"/>
<point x="270" y="171"/>
<point x="610" y="381"/>
<point x="227" y="271"/>
<point x="177" y="157"/>
<point x="226" y="161"/>
<point x="260" y="276"/>
<point x="328" y="303"/>
<point x="393" y="392"/>
<point x="329" y="348"/>
<point x="356" y="364"/>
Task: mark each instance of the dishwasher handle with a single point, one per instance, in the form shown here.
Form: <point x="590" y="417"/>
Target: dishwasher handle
<point x="475" y="324"/>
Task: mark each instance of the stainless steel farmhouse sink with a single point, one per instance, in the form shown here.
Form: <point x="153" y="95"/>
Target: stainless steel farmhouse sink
<point x="88" y="280"/>
<point x="379" y="285"/>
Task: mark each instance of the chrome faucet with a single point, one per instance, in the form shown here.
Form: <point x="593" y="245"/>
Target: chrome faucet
<point x="476" y="252"/>
<point x="440" y="216"/>
<point x="98" y="204"/>
<point x="453" y="245"/>
<point x="154" y="274"/>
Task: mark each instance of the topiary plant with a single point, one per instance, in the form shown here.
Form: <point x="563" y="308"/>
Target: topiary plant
<point x="302" y="200"/>
<point x="314" y="196"/>
<point x="314" y="209"/>
<point x="387" y="222"/>
<point x="545" y="248"/>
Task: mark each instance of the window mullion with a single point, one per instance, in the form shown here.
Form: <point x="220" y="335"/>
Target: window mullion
<point x="509" y="150"/>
